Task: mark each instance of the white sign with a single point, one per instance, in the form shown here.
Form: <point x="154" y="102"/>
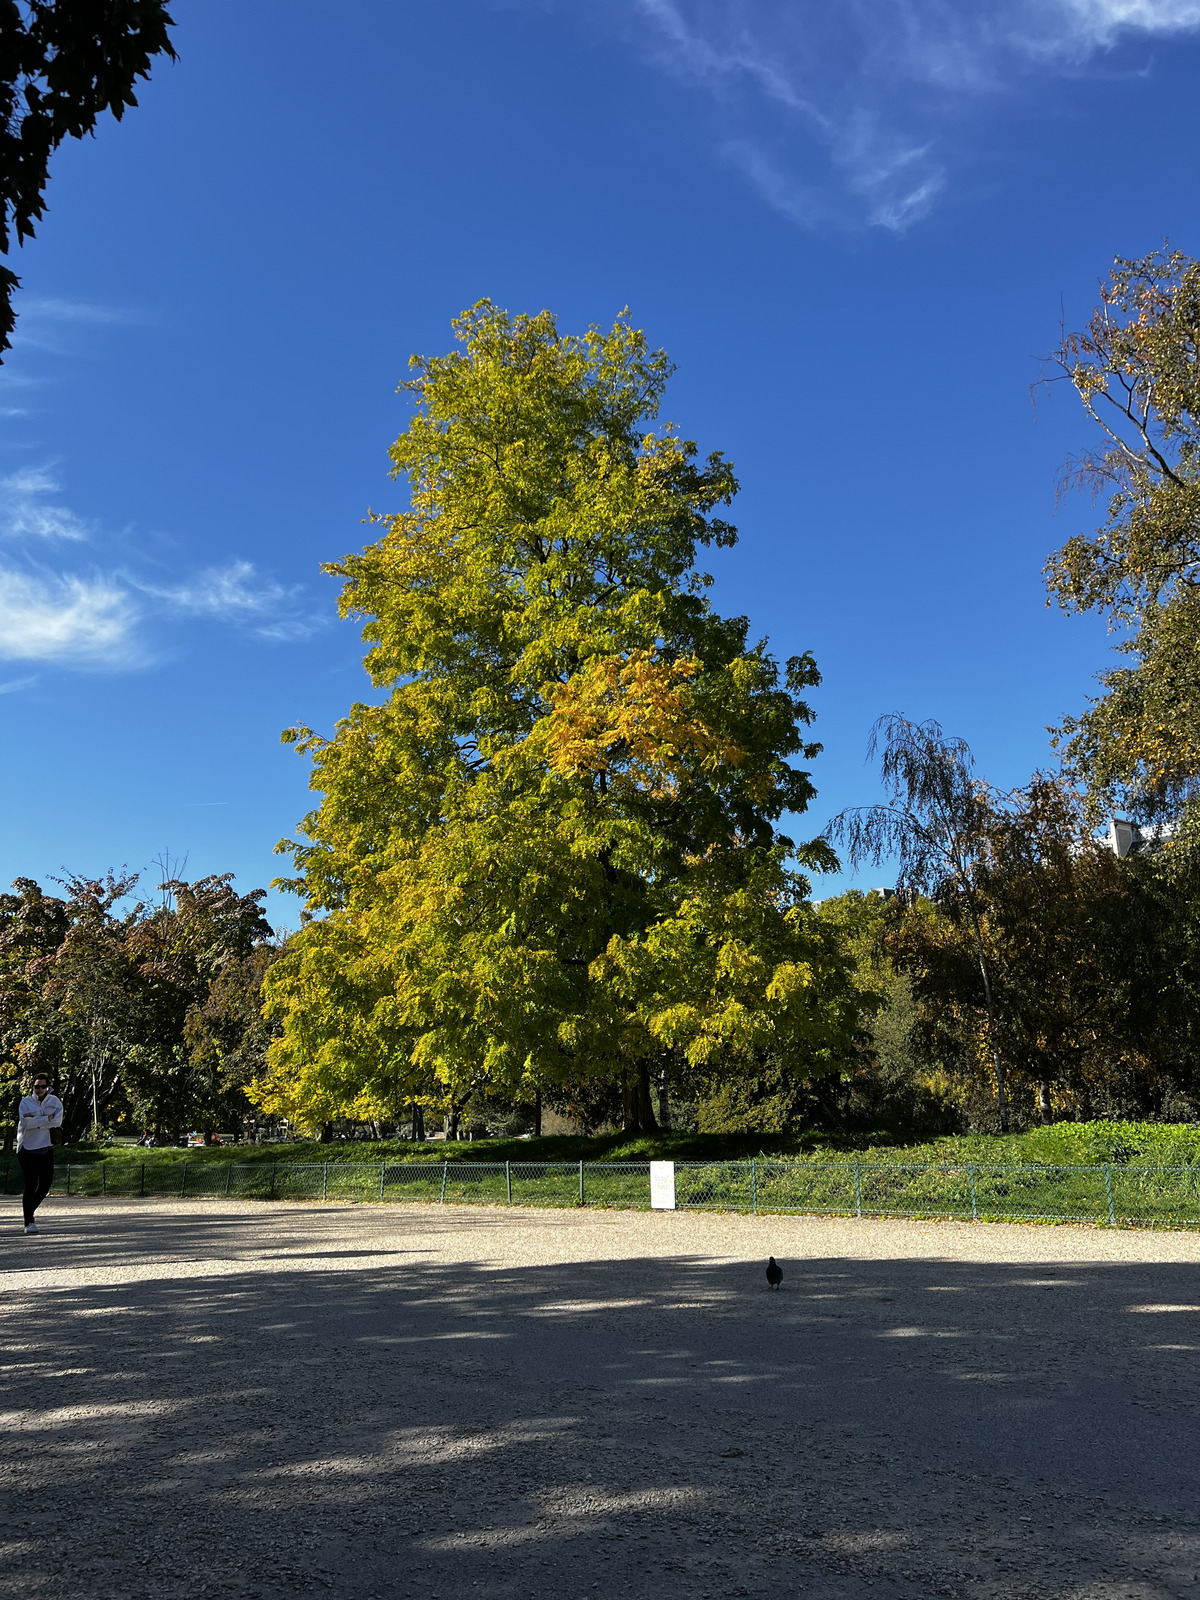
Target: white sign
<point x="662" y="1186"/>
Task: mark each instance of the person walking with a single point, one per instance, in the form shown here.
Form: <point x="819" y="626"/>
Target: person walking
<point x="39" y="1113"/>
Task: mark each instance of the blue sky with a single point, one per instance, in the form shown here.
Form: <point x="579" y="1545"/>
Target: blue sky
<point x="854" y="228"/>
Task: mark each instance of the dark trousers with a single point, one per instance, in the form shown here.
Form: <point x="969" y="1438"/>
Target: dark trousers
<point x="38" y="1167"/>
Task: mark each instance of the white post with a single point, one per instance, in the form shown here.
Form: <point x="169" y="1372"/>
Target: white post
<point x="662" y="1186"/>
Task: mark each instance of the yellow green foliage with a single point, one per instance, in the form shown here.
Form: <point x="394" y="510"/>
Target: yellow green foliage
<point x="1135" y="368"/>
<point x="552" y="845"/>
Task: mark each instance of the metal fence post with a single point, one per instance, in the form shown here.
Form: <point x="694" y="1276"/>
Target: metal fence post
<point x="274" y="1170"/>
<point x="382" y="1170"/>
<point x="68" y="1177"/>
<point x="971" y="1181"/>
<point x="445" y="1169"/>
<point x="324" y="1180"/>
<point x="581" y="1199"/>
<point x="104" y="1177"/>
<point x="754" y="1186"/>
<point x="183" y="1180"/>
<point x="857" y="1191"/>
<point x="228" y="1175"/>
<point x="1112" y="1214"/>
<point x="508" y="1180"/>
<point x="142" y="1190"/>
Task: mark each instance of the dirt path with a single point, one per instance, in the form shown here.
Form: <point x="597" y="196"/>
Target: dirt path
<point x="229" y="1397"/>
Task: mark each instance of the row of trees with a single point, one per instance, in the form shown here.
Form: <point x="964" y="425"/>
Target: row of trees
<point x="145" y="1015"/>
<point x="1034" y="972"/>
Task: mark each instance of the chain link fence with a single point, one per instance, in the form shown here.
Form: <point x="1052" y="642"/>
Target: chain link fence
<point x="972" y="1191"/>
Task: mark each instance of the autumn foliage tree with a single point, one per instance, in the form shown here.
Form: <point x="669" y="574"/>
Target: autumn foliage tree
<point x="552" y="847"/>
<point x="1136" y="368"/>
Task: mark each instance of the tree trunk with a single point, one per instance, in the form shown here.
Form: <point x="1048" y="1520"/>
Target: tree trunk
<point x="1045" y="1107"/>
<point x="989" y="1003"/>
<point x="664" y="1102"/>
<point x="457" y="1107"/>
<point x="418" y="1123"/>
<point x="327" y="1133"/>
<point x="637" y="1109"/>
<point x="1001" y="1087"/>
<point x="537" y="1115"/>
<point x="628" y="1106"/>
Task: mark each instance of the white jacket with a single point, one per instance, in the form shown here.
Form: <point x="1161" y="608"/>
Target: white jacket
<point x="35" y="1119"/>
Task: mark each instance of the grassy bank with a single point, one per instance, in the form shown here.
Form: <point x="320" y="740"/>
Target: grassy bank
<point x="1065" y="1144"/>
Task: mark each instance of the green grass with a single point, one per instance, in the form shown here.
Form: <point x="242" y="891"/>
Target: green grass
<point x="1064" y="1144"/>
<point x="1097" y="1172"/>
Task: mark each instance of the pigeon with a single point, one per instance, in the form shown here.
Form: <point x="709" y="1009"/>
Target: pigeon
<point x="774" y="1272"/>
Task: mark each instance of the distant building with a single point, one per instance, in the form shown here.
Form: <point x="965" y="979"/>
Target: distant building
<point x="1124" y="837"/>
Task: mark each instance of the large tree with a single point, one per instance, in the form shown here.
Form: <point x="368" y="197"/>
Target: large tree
<point x="63" y="63"/>
<point x="552" y="848"/>
<point x="200" y="942"/>
<point x="72" y="992"/>
<point x="1136" y="368"/>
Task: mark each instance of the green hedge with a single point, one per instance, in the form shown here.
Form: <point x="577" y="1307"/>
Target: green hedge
<point x="1064" y="1144"/>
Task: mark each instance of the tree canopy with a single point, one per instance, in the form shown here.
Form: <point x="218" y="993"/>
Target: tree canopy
<point x="129" y="1005"/>
<point x="553" y="846"/>
<point x="1137" y="369"/>
<point x="935" y="822"/>
<point x="64" y="63"/>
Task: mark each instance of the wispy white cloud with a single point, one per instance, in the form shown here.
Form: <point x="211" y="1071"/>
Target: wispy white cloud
<point x="11" y="385"/>
<point x="25" y="512"/>
<point x="291" y="630"/>
<point x="115" y="614"/>
<point x="235" y="593"/>
<point x="14" y="685"/>
<point x="230" y="592"/>
<point x="53" y="325"/>
<point x="844" y="110"/>
<point x="108" y="619"/>
<point x="1083" y="26"/>
<point x="803" y="203"/>
<point x="65" y="619"/>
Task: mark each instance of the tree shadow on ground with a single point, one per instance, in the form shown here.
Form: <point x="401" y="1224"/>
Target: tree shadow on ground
<point x="645" y="1427"/>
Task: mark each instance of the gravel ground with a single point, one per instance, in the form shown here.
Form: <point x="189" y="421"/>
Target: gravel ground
<point x="425" y="1401"/>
